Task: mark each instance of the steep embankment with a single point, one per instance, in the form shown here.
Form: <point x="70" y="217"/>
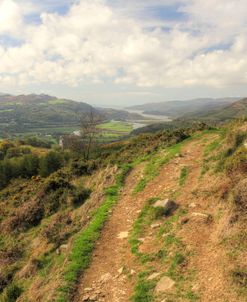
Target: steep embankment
<point x="138" y="247"/>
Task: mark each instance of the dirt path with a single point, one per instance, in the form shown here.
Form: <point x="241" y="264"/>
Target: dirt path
<point x="111" y="276"/>
<point x="111" y="252"/>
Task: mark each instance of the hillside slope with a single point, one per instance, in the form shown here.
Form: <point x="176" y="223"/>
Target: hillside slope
<point x="233" y="111"/>
<point x="136" y="248"/>
<point x="48" y="115"/>
<point x="31" y="112"/>
<point x="177" y="109"/>
<point x="60" y="243"/>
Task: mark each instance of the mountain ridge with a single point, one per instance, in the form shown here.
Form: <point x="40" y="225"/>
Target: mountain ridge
<point x="178" y="108"/>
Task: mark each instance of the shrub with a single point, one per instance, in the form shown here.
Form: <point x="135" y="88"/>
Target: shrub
<point x="58" y="230"/>
<point x="10" y="249"/>
<point x="29" y="165"/>
<point x="238" y="161"/>
<point x="82" y="167"/>
<point x="12" y="293"/>
<point x="17" y="152"/>
<point x="29" y="215"/>
<point x="236" y="138"/>
<point x="5" y="279"/>
<point x="56" y="181"/>
<point x="37" y="142"/>
<point x="5" y="145"/>
<point x="25" y="166"/>
<point x="79" y="196"/>
<point x="240" y="195"/>
<point x="240" y="277"/>
<point x="50" y="163"/>
<point x="54" y="200"/>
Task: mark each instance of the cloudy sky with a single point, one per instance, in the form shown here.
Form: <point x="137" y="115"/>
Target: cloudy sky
<point x="121" y="52"/>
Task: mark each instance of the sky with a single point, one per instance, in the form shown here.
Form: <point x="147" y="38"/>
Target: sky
<point x="124" y="52"/>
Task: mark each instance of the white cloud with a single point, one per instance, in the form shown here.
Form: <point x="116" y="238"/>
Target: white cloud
<point x="96" y="40"/>
<point x="10" y="17"/>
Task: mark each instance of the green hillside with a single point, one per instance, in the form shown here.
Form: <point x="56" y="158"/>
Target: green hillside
<point x="32" y="113"/>
<point x="46" y="115"/>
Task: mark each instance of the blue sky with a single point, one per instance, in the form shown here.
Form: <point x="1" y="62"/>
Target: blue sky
<point x="120" y="52"/>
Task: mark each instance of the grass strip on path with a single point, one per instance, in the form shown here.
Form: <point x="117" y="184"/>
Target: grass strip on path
<point x="84" y="243"/>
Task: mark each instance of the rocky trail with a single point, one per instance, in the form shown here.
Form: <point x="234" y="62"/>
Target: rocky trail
<point x="113" y="272"/>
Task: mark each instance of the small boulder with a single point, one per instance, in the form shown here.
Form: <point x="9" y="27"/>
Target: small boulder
<point x="169" y="206"/>
<point x="164" y="285"/>
<point x="105" y="278"/>
<point x="123" y="235"/>
<point x="184" y="220"/>
<point x="192" y="205"/>
<point x="201" y="217"/>
<point x="155" y="225"/>
<point x="121" y="270"/>
<point x="86" y="298"/>
<point x="132" y="272"/>
<point x="153" y="276"/>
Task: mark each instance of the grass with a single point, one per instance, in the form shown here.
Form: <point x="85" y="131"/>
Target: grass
<point x="145" y="218"/>
<point x="49" y="130"/>
<point x="183" y="175"/>
<point x="171" y="256"/>
<point x="117" y="126"/>
<point x="153" y="167"/>
<point x="143" y="291"/>
<point x="84" y="243"/>
<point x="215" y="145"/>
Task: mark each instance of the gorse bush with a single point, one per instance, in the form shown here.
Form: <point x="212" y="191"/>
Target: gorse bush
<point x="79" y="196"/>
<point x="80" y="167"/>
<point x="58" y="231"/>
<point x="36" y="142"/>
<point x="17" y="152"/>
<point x="50" y="163"/>
<point x="30" y="165"/>
<point x="233" y="158"/>
<point x="10" y="250"/>
<point x="240" y="195"/>
<point x="12" y="293"/>
<point x="5" y="146"/>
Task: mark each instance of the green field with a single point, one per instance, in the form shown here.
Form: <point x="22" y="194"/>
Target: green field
<point x="109" y="131"/>
<point x="50" y="130"/>
<point x="6" y="110"/>
<point x="117" y="126"/>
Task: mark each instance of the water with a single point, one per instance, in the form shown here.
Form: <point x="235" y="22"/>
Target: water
<point x="151" y="117"/>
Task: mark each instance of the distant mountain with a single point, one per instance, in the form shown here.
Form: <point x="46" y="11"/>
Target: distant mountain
<point x="177" y="109"/>
<point x="235" y="110"/>
<point x="26" y="113"/>
<point x="213" y="117"/>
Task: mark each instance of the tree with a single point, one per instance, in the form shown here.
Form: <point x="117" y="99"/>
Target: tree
<point x="89" y="131"/>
